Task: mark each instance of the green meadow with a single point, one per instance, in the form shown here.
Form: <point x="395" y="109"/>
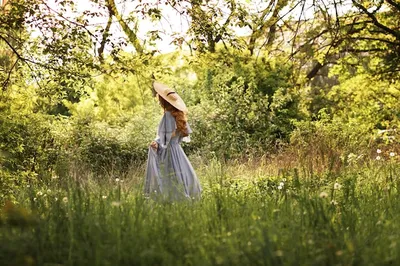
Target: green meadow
<point x="247" y="216"/>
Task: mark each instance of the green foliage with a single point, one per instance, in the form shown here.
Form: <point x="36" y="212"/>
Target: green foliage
<point x="103" y="147"/>
<point x="246" y="105"/>
<point x="362" y="114"/>
<point x="27" y="149"/>
<point x="367" y="101"/>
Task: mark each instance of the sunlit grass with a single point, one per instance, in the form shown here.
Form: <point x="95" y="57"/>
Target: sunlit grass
<point x="246" y="216"/>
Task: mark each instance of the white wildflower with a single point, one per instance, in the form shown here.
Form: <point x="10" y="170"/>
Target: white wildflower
<point x="378" y="158"/>
<point x="48" y="191"/>
<point x="34" y="199"/>
<point x="334" y="202"/>
<point x="323" y="194"/>
<point x="280" y="187"/>
<point x="115" y="203"/>
<point x="339" y="253"/>
<point x="281" y="184"/>
<point x="351" y="156"/>
<point x="337" y="186"/>
<point x="39" y="193"/>
<point x="392" y="154"/>
<point x="28" y="186"/>
<point x="378" y="151"/>
<point x="56" y="199"/>
<point x="65" y="200"/>
<point x="104" y="196"/>
<point x="117" y="180"/>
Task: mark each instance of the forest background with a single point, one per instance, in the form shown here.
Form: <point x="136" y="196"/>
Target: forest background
<point x="315" y="81"/>
<point x="309" y="88"/>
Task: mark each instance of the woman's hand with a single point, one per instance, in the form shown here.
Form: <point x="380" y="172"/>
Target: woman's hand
<point x="154" y="145"/>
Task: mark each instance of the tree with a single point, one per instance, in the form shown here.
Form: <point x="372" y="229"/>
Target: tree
<point x="366" y="30"/>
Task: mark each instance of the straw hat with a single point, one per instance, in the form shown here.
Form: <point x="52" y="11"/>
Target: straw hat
<point x="170" y="96"/>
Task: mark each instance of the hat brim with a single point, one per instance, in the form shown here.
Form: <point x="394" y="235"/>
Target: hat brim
<point x="170" y="96"/>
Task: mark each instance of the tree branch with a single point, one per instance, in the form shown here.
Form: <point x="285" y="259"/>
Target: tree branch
<point x="105" y="36"/>
<point x="70" y="21"/>
<point x="375" y="20"/>
<point x="5" y="83"/>
<point x="125" y="27"/>
<point x="298" y="26"/>
<point x="373" y="39"/>
<point x="394" y="4"/>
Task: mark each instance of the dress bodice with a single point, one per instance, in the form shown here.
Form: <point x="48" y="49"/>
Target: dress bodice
<point x="167" y="131"/>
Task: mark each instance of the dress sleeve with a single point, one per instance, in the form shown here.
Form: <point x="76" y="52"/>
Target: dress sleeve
<point x="190" y="131"/>
<point x="165" y="129"/>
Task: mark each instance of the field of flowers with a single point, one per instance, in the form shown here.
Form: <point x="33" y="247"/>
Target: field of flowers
<point x="247" y="216"/>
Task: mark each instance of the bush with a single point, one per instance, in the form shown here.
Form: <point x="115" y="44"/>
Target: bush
<point x="246" y="108"/>
<point x="27" y="150"/>
<point x="101" y="147"/>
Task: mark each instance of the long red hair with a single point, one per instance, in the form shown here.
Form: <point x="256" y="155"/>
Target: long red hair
<point x="180" y="116"/>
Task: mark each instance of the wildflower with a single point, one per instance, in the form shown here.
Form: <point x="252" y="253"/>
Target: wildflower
<point x="104" y="197"/>
<point x="28" y="186"/>
<point x="281" y="184"/>
<point x="54" y="177"/>
<point x="117" y="180"/>
<point x="337" y="186"/>
<point x="34" y="199"/>
<point x="378" y="151"/>
<point x="280" y="187"/>
<point x="378" y="158"/>
<point x="48" y="191"/>
<point x="65" y="200"/>
<point x="351" y="156"/>
<point x="284" y="179"/>
<point x="334" y="202"/>
<point x="39" y="193"/>
<point x="115" y="203"/>
<point x="339" y="253"/>
<point x="122" y="181"/>
<point x="56" y="199"/>
<point x="323" y="195"/>
<point x="392" y="154"/>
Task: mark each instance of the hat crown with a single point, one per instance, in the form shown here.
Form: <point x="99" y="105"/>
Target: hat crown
<point x="170" y="95"/>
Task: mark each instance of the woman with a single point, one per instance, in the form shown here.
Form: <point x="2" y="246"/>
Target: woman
<point x="169" y="174"/>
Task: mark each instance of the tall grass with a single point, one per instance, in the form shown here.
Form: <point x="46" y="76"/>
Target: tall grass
<point x="246" y="216"/>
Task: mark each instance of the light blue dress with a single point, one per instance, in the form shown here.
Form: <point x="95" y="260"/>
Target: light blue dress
<point x="169" y="173"/>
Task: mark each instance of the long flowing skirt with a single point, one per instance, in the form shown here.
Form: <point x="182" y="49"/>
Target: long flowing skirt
<point x="170" y="175"/>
